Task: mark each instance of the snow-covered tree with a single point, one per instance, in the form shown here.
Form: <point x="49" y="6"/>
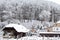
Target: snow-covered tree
<point x="44" y="15"/>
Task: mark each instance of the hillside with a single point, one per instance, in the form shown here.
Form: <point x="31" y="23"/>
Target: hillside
<point x="40" y="10"/>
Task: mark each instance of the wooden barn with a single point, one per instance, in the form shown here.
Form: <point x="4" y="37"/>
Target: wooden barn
<point x="14" y="31"/>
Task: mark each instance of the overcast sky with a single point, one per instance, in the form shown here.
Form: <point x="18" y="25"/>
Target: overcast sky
<point x="56" y="1"/>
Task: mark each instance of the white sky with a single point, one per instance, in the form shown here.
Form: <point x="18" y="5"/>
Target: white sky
<point x="56" y="1"/>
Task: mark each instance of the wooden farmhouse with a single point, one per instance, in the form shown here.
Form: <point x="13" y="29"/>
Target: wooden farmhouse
<point x="14" y="30"/>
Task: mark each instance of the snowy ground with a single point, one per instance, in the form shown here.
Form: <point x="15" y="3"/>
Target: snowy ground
<point x="34" y="38"/>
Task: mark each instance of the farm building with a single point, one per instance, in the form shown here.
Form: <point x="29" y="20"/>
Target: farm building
<point x="15" y="30"/>
<point x="52" y="31"/>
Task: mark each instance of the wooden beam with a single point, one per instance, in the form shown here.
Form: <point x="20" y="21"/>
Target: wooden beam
<point x="17" y="37"/>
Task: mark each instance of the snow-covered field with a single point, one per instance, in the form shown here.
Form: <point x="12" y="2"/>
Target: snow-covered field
<point x="34" y="38"/>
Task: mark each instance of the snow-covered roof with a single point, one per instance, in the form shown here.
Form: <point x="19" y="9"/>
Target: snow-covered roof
<point x="18" y="28"/>
<point x="58" y="22"/>
<point x="49" y="32"/>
